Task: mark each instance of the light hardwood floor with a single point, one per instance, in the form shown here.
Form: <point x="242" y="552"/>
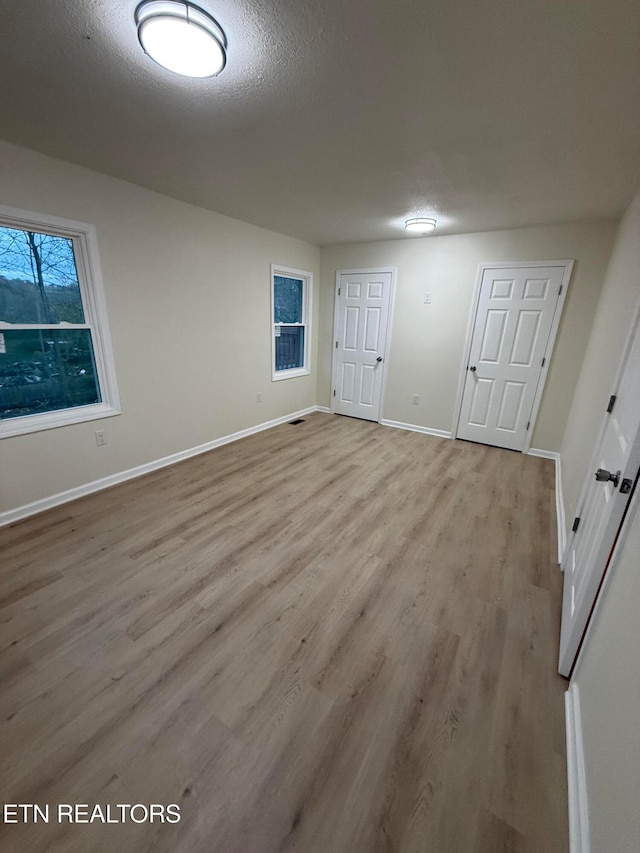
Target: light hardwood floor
<point x="333" y="637"/>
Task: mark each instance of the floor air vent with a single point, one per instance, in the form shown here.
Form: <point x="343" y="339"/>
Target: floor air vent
<point x="297" y="421"/>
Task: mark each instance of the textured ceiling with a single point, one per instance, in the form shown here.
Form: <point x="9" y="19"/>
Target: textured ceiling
<point x="336" y="119"/>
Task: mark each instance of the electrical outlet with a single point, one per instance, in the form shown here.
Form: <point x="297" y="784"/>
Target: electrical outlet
<point x="101" y="437"/>
<point x="259" y="397"/>
<point x="416" y="399"/>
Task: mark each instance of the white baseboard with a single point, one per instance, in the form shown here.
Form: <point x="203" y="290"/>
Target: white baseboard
<point x="324" y="409"/>
<point x="576" y="775"/>
<point x="562" y="526"/>
<point x="440" y="433"/>
<point x="545" y="454"/>
<point x="21" y="512"/>
<point x="560" y="516"/>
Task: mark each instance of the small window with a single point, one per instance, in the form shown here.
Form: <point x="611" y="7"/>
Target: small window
<point x="56" y="365"/>
<point x="291" y="310"/>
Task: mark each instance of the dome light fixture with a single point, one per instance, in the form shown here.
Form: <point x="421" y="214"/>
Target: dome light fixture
<point x="181" y="37"/>
<point x="420" y="225"/>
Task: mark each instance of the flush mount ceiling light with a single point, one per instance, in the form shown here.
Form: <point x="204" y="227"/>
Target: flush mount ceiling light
<point x="181" y="37"/>
<point x="420" y="225"/>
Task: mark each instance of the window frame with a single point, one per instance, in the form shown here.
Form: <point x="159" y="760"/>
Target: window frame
<point x="85" y="247"/>
<point x="307" y="302"/>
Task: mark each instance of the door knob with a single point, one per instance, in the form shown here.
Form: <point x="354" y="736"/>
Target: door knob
<point x="473" y="369"/>
<point x="379" y="358"/>
<point x="603" y="476"/>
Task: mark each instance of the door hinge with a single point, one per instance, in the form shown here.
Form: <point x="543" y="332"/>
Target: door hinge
<point x="612" y="402"/>
<point x="334" y="393"/>
<point x="336" y="344"/>
<point x="576" y="524"/>
<point x="543" y="360"/>
<point x="339" y="291"/>
<point x="528" y="424"/>
<point x="560" y="291"/>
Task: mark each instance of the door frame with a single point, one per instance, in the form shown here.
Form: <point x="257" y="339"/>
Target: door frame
<point x="471" y="323"/>
<point x="387" y="345"/>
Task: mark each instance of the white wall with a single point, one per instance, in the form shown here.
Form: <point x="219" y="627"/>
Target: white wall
<point x="427" y="341"/>
<point x="188" y="298"/>
<point x="608" y="669"/>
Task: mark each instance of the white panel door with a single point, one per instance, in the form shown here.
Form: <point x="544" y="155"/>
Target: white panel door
<point x="362" y="312"/>
<point x="602" y="508"/>
<point x="513" y="322"/>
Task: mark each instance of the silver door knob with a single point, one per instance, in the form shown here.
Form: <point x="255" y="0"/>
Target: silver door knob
<point x="604" y="476"/>
<point x="379" y="358"/>
<point x="473" y="369"/>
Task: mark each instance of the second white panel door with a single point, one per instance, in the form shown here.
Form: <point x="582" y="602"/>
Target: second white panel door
<point x="362" y="313"/>
<point x="605" y="499"/>
<point x="513" y="322"/>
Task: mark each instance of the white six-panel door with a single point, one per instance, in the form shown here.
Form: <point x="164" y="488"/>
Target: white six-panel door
<point x="602" y="507"/>
<point x="513" y="323"/>
<point x="362" y="312"/>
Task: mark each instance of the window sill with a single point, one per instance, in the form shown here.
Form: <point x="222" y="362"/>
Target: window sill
<point x="290" y="374"/>
<point x="51" y="420"/>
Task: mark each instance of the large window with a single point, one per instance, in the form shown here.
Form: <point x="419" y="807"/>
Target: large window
<point x="56" y="365"/>
<point x="291" y="317"/>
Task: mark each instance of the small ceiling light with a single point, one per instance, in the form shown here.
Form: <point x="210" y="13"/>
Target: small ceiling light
<point x="181" y="37"/>
<point x="420" y="225"/>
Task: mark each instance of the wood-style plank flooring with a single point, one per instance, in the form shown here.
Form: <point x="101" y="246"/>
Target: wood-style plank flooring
<point x="333" y="637"/>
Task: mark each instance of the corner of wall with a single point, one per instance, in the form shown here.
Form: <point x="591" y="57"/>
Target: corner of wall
<point x="560" y="513"/>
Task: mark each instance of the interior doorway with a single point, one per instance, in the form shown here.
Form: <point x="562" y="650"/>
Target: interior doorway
<point x="363" y="307"/>
<point x="512" y="330"/>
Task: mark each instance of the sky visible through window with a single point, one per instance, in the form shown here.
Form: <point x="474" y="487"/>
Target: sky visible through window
<point x="38" y="278"/>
